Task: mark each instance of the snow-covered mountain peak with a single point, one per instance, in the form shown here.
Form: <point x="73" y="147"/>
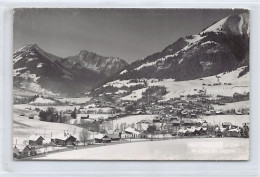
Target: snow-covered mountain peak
<point x="236" y="24"/>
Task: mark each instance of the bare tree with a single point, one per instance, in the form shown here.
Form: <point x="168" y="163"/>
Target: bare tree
<point x="84" y="134"/>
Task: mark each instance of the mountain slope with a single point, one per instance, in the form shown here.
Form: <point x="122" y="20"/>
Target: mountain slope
<point x="224" y="46"/>
<point x="39" y="71"/>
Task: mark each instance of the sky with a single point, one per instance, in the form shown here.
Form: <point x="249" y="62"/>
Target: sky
<point x="129" y="34"/>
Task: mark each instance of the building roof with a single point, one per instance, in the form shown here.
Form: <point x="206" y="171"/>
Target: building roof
<point x="182" y="131"/>
<point x="131" y="130"/>
<point x="113" y="135"/>
<point x="175" y="122"/>
<point x="101" y="136"/>
<point x="62" y="136"/>
<point x="35" y="137"/>
<point x="226" y="123"/>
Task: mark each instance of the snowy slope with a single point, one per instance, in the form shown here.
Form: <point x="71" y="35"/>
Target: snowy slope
<point x="177" y="88"/>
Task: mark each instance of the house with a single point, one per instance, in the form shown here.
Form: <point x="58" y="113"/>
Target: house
<point x="182" y="132"/>
<point x="31" y="116"/>
<point x="16" y="153"/>
<point x="114" y="137"/>
<point x="22" y="114"/>
<point x="226" y="124"/>
<point x="21" y="151"/>
<point x="131" y="131"/>
<point x="234" y="133"/>
<point x="143" y="134"/>
<point x="219" y="113"/>
<point x="175" y="123"/>
<point x="238" y="112"/>
<point x="191" y="131"/>
<point x="207" y="113"/>
<point x="188" y="123"/>
<point x="102" y="138"/>
<point x="64" y="139"/>
<point x="173" y="118"/>
<point x="35" y="140"/>
<point x="193" y="115"/>
<point x="156" y="119"/>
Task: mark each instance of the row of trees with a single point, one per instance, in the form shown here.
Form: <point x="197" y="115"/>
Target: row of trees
<point x="51" y="115"/>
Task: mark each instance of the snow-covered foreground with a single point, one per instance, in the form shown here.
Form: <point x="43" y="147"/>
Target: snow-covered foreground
<point x="178" y="149"/>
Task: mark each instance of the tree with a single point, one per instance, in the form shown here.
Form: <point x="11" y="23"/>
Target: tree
<point x="164" y="133"/>
<point x="73" y="114"/>
<point x="84" y="134"/>
<point x="130" y="108"/>
<point x="42" y="115"/>
<point x="151" y="129"/>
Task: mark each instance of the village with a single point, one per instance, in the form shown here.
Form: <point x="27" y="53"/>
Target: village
<point x="104" y="119"/>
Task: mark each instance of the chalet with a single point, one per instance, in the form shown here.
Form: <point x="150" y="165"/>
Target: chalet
<point x="193" y="115"/>
<point x="182" y="132"/>
<point x="102" y="138"/>
<point x="234" y="133"/>
<point x="188" y="123"/>
<point x="191" y="131"/>
<point x="213" y="112"/>
<point x="63" y="139"/>
<point x="131" y="131"/>
<point x="21" y="151"/>
<point x="173" y="118"/>
<point x="238" y="112"/>
<point x="16" y="153"/>
<point x="226" y="124"/>
<point x="219" y="113"/>
<point x="156" y="119"/>
<point x="199" y="131"/>
<point x="175" y="122"/>
<point x="31" y="116"/>
<point x="35" y="140"/>
<point x="184" y="113"/>
<point x="114" y="137"/>
<point x="207" y="113"/>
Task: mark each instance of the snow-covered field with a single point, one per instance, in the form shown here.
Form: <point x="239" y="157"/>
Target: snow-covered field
<point x="135" y="95"/>
<point x="131" y="119"/>
<point x="59" y="108"/>
<point x="41" y="100"/>
<point x="234" y="119"/>
<point x="75" y="100"/>
<point x="178" y="149"/>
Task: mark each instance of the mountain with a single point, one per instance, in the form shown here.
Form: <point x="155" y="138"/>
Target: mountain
<point x="221" y="47"/>
<point x="39" y="71"/>
<point x="95" y="62"/>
